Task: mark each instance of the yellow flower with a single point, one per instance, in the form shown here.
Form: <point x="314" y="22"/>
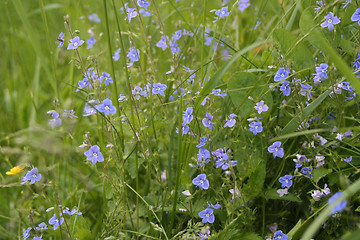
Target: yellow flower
<point x="15" y="170"/>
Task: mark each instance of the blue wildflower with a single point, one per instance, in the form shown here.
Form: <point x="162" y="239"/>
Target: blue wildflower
<point x="133" y="55"/>
<point x="286" y="181"/>
<point x="201" y="181"/>
<point x="279" y="235"/>
<point x="348" y="160"/>
<point x="41" y="227"/>
<point x="276" y="150"/>
<point x="94" y="18"/>
<point x="75" y="43"/>
<point x="143" y="3"/>
<point x="281" y="74"/>
<point x="162" y="43"/>
<point x="261" y="107"/>
<point x="72" y="212"/>
<point x="131" y="13"/>
<point x="159" y="88"/>
<point x="106" y="78"/>
<point x="90" y="42"/>
<point x="27" y="233"/>
<point x="356" y="16"/>
<point x="207" y="215"/>
<point x="231" y="121"/>
<point x="202" y="142"/>
<point x="106" y="107"/>
<point x="243" y="4"/>
<point x="187" y="116"/>
<point x="207" y="121"/>
<point x="55" y="121"/>
<point x="307" y="171"/>
<point x="116" y="55"/>
<point x="56" y="222"/>
<point x="256" y="127"/>
<point x="94" y="154"/>
<point x="145" y="13"/>
<point x="330" y="21"/>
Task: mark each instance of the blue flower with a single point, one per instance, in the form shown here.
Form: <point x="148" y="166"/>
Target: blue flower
<point x="356" y="16"/>
<point x="203" y="156"/>
<point x="41" y="227"/>
<point x="276" y="150"/>
<point x="56" y="222"/>
<point x="187" y="116"/>
<point x="133" y="55"/>
<point x="243" y="4"/>
<point x="162" y="42"/>
<point x="330" y="21"/>
<point x="143" y="3"/>
<point x="306" y="90"/>
<point x="286" y="181"/>
<point x="221" y="13"/>
<point x="348" y="160"/>
<point x="88" y="110"/>
<point x="122" y="98"/>
<point x="231" y="121"/>
<point x="174" y="47"/>
<point x="94" y="18"/>
<point x="217" y="92"/>
<point x="201" y="181"/>
<point x="207" y="121"/>
<point x="202" y="142"/>
<point x="159" y="88"/>
<point x="261" y="107"/>
<point x="90" y="42"/>
<point x="145" y="13"/>
<point x="207" y="215"/>
<point x="37" y="238"/>
<point x="177" y="35"/>
<point x="106" y="107"/>
<point x="55" y="121"/>
<point x="131" y="13"/>
<point x="320" y="5"/>
<point x="94" y="154"/>
<point x="285" y="88"/>
<point x="307" y="171"/>
<point x="222" y="159"/>
<point x="27" y="233"/>
<point x="279" y="235"/>
<point x="106" y="77"/>
<point x="61" y="39"/>
<point x="340" y="207"/>
<point x="75" y="43"/>
<point x="72" y="212"/>
<point x="281" y="74"/>
<point x="33" y="176"/>
<point x="256" y="127"/>
<point x="116" y="55"/>
<point x="138" y="92"/>
<point x="69" y="113"/>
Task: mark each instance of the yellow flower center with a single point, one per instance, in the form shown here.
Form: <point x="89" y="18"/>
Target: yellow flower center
<point x="207" y="215"/>
<point x="107" y="108"/>
<point x="201" y="181"/>
<point x="329" y="21"/>
<point x="94" y="154"/>
<point x="75" y="44"/>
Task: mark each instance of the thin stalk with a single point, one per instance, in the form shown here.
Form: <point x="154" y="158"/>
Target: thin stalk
<point x="114" y="77"/>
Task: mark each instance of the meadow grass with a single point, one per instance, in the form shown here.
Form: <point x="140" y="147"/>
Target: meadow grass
<point x="272" y="170"/>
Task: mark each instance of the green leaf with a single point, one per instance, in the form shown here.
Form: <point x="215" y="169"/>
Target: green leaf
<point x="299" y="53"/>
<point x="216" y="79"/>
<point x="131" y="166"/>
<point x="320" y="173"/>
<point x="255" y="183"/>
<point x="247" y="163"/>
<point x="272" y="194"/>
<point x="295" y="122"/>
<point x="244" y="84"/>
<point x="322" y="41"/>
<point x="295" y="229"/>
<point x="352" y="235"/>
